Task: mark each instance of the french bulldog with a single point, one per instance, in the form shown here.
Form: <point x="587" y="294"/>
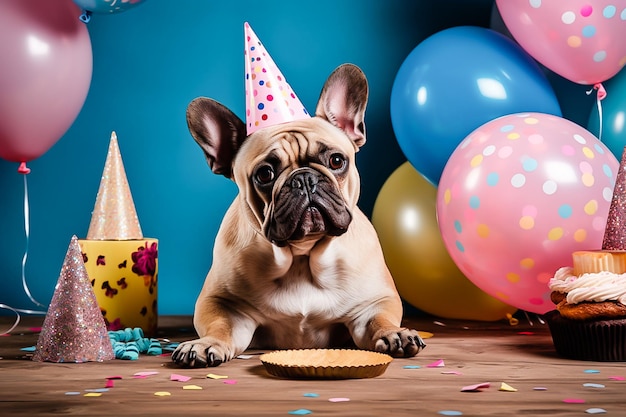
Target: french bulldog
<point x="296" y="264"/>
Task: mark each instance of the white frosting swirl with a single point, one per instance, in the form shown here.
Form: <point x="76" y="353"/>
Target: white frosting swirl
<point x="597" y="287"/>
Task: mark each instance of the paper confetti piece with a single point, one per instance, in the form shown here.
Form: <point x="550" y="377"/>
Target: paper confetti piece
<point x="437" y="364"/>
<point x="72" y="393"/>
<point x="34" y="329"/>
<point x="526" y="333"/>
<point x="616" y="378"/>
<point x="450" y="413"/>
<point x="300" y="412"/>
<point x="214" y="376"/>
<point x="506" y="387"/>
<point x="181" y="378"/>
<point x="28" y="349"/>
<point x="230" y="381"/>
<point x="96" y="390"/>
<point x="113" y="377"/>
<point x="595" y="411"/>
<point x="144" y="374"/>
<point x="540" y="388"/>
<point x="438" y="323"/>
<point x="592" y="385"/>
<point x="245" y="357"/>
<point x="162" y="394"/>
<point x="574" y="401"/>
<point x="451" y="372"/>
<point x="411" y="367"/>
<point x="310" y="395"/>
<point x="93" y="394"/>
<point x="475" y="387"/>
<point x="109" y="384"/>
<point x="425" y="335"/>
<point x="338" y="400"/>
<point x="192" y="387"/>
<point x="591" y="371"/>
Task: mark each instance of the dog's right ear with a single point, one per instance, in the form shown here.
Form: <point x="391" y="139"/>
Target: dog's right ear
<point x="218" y="131"/>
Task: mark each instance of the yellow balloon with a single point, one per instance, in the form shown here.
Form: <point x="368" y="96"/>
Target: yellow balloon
<point x="405" y="217"/>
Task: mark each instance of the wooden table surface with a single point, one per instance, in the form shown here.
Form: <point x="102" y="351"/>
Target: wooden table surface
<point x="521" y="356"/>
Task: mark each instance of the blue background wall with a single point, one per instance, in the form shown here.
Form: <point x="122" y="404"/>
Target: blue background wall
<point x="149" y="63"/>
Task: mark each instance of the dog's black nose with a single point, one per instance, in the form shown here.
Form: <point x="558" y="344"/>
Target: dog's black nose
<point x="305" y="182"/>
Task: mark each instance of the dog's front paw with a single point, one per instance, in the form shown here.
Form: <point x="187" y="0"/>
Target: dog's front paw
<point x="200" y="353"/>
<point x="400" y="342"/>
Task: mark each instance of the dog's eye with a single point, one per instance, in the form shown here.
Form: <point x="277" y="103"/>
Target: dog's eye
<point x="264" y="174"/>
<point x="336" y="161"/>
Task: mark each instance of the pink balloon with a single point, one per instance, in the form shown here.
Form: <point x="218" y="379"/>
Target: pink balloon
<point x="45" y="73"/>
<point x="517" y="197"/>
<point x="581" y="40"/>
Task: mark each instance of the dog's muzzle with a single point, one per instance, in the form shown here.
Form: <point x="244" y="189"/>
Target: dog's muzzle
<point x="309" y="203"/>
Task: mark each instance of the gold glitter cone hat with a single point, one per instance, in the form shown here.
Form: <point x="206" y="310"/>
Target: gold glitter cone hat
<point x="114" y="216"/>
<point x="615" y="232"/>
<point x="74" y="329"/>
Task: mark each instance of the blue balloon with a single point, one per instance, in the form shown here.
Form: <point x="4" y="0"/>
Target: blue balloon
<point x="613" y="112"/>
<point x="455" y="81"/>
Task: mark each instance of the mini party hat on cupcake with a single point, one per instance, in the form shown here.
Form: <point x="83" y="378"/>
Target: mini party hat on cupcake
<point x="269" y="99"/>
<point x="74" y="329"/>
<point x="615" y="231"/>
<point x="114" y="216"/>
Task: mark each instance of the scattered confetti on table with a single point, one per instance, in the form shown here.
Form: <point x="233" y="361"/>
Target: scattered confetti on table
<point x="425" y="335"/>
<point x="592" y="385"/>
<point x="96" y="390"/>
<point x="574" y="401"/>
<point x="338" y="399"/>
<point x="438" y="323"/>
<point x="214" y="376"/>
<point x="230" y="381"/>
<point x="310" y="395"/>
<point x="28" y="349"/>
<point x="506" y="387"/>
<point x="244" y="356"/>
<point x="591" y="371"/>
<point x="192" y="387"/>
<point x="93" y="394"/>
<point x="144" y="374"/>
<point x="437" y="364"/>
<point x="180" y="378"/>
<point x="540" y="388"/>
<point x="450" y="413"/>
<point x="72" y="393"/>
<point x="162" y="394"/>
<point x="300" y="412"/>
<point x="475" y="387"/>
<point x="451" y="372"/>
<point x="411" y="367"/>
<point x="595" y="411"/>
<point x="616" y="378"/>
<point x="109" y="383"/>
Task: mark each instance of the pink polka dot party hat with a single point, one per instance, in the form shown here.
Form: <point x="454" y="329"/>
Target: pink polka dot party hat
<point x="269" y="98"/>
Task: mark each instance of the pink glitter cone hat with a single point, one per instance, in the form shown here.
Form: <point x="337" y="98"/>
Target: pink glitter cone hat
<point x="615" y="232"/>
<point x="269" y="99"/>
<point x="74" y="329"/>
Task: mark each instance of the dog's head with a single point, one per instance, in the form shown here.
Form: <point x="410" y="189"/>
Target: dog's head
<point x="298" y="179"/>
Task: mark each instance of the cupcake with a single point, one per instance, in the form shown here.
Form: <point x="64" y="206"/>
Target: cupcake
<point x="589" y="322"/>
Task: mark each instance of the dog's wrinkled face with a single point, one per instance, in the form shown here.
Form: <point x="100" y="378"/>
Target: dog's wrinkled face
<point x="299" y="180"/>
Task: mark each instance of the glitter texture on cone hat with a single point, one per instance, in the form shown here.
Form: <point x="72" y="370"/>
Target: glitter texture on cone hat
<point x="269" y="98"/>
<point x="114" y="216"/>
<point x="74" y="329"/>
<point x="615" y="231"/>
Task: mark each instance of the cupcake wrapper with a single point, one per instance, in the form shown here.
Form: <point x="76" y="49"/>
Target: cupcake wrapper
<point x="601" y="340"/>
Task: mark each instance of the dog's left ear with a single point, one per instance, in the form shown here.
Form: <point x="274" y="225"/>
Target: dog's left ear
<point x="343" y="100"/>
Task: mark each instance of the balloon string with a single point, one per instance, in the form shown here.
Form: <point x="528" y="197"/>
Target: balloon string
<point x="27" y="233"/>
<point x="600" y="96"/>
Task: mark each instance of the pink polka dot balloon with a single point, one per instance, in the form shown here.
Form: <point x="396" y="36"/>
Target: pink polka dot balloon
<point x="517" y="197"/>
<point x="581" y="40"/>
